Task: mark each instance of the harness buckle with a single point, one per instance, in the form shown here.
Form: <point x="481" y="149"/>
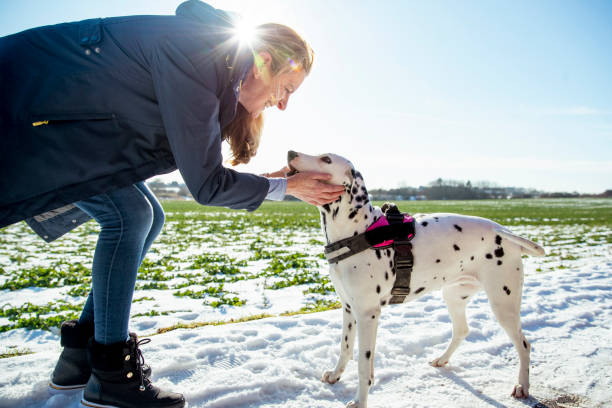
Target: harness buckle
<point x="400" y="291"/>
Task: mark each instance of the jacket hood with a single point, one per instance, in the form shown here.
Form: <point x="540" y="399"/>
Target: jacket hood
<point x="205" y="13"/>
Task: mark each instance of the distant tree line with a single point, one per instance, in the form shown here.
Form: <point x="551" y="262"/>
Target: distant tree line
<point x="442" y="189"/>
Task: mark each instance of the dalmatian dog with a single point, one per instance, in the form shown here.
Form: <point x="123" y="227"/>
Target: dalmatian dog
<point x="458" y="254"/>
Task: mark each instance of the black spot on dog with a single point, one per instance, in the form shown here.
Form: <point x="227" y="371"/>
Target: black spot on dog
<point x="424" y="223"/>
<point x="324" y="219"/>
<point x="369" y="382"/>
<point x="347" y="310"/>
<point x="499" y="252"/>
<point x="326" y="207"/>
<point x="347" y="305"/>
<point x="355" y="233"/>
<point x="464" y="297"/>
<point x="390" y="264"/>
<point x="350" y="326"/>
<point x="455" y="247"/>
<point x="437" y="261"/>
<point x="373" y="317"/>
<point x="346" y="347"/>
<point x="507" y="290"/>
<point x="352" y="214"/>
<point x="498" y="240"/>
<point x="458" y="228"/>
<point x="365" y="217"/>
<point x="489" y="256"/>
<point x="384" y="302"/>
<point x="354" y="191"/>
<point x="525" y="344"/>
<point x="358" y="175"/>
<point x="499" y="262"/>
<point x="419" y="290"/>
<point x="386" y="275"/>
<point x="482" y="239"/>
<point x="354" y="266"/>
<point x="517" y="269"/>
<point x="346" y="338"/>
<point x="435" y="277"/>
<point x="388" y="252"/>
<point x="335" y="212"/>
<point x="377" y="288"/>
<point x="436" y="218"/>
<point x="368" y="354"/>
<point x="378" y="253"/>
<point x="472" y="258"/>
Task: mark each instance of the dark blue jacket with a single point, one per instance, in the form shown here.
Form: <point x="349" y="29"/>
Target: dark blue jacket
<point x="100" y="104"/>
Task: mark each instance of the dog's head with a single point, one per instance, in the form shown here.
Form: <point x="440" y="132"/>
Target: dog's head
<point x="341" y="170"/>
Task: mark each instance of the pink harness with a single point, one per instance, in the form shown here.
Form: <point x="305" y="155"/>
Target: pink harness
<point x="381" y="222"/>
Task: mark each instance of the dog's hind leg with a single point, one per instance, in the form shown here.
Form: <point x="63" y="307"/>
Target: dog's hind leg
<point x="456" y="298"/>
<point x="367" y="326"/>
<point x="504" y="293"/>
<point x="349" y="330"/>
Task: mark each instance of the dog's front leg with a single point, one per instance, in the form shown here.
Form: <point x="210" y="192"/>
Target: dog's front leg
<point x="346" y="346"/>
<point x="367" y="326"/>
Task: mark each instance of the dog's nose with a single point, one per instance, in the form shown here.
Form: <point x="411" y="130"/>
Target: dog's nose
<point x="291" y="155"/>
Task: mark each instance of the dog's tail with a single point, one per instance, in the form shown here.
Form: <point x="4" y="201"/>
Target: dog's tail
<point x="528" y="247"/>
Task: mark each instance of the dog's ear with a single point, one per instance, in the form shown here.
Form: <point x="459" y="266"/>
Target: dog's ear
<point x="389" y="208"/>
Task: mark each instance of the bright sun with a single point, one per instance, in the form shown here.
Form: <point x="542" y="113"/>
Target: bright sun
<point x="245" y="31"/>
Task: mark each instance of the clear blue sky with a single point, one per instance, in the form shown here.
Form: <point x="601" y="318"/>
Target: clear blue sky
<point x="518" y="93"/>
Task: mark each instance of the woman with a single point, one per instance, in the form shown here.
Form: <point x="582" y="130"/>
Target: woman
<point x="90" y="110"/>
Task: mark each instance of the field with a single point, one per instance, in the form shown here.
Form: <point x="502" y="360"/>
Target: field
<point x="264" y="273"/>
<point x="213" y="265"/>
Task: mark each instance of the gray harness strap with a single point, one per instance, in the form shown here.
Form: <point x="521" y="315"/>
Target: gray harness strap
<point x="403" y="260"/>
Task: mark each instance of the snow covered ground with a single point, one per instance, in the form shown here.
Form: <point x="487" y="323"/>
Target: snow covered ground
<point x="277" y="362"/>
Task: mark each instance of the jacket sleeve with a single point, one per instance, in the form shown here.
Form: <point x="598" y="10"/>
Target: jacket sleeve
<point x="190" y="113"/>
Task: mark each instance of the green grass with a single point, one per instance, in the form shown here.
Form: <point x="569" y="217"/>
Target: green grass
<point x="201" y="249"/>
<point x="507" y="212"/>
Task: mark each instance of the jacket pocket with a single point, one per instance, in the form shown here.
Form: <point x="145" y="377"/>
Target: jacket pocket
<point x="64" y="118"/>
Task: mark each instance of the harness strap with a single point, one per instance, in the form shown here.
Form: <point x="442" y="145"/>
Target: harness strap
<point x="353" y="245"/>
<point x="403" y="261"/>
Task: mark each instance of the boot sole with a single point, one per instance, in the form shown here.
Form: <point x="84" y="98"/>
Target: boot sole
<point x="88" y="404"/>
<point x="55" y="389"/>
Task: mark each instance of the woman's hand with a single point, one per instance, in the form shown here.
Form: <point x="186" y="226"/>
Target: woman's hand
<point x="310" y="187"/>
<point x="280" y="173"/>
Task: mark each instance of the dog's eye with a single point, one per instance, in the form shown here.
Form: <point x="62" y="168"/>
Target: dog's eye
<point x="326" y="159"/>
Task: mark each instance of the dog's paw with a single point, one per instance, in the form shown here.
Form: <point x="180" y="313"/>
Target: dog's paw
<point x="353" y="404"/>
<point x="520" y="392"/>
<point x="439" y="362"/>
<point x="330" y="377"/>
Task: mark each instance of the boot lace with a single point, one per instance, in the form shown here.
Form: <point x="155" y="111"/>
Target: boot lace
<point x="140" y="363"/>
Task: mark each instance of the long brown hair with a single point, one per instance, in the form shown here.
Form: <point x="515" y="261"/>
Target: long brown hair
<point x="288" y="51"/>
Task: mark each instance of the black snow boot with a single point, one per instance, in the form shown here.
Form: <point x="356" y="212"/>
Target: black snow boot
<point x="119" y="379"/>
<point x="72" y="369"/>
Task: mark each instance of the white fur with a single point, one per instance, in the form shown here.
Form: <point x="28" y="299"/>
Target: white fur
<point x="458" y="254"/>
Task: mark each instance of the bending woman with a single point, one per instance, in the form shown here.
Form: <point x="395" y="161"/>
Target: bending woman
<point x="93" y="108"/>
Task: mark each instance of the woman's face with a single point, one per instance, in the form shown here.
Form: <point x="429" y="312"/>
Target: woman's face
<point x="260" y="90"/>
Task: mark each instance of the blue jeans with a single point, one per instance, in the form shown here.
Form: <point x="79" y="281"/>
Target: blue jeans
<point x="130" y="219"/>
